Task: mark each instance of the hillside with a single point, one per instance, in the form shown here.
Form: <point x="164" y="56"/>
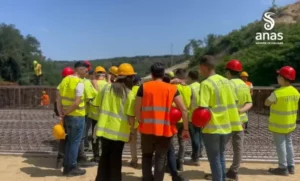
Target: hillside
<point x="260" y="60"/>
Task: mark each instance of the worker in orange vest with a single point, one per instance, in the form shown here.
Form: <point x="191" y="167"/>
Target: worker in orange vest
<point x="152" y="109"/>
<point x="45" y="99"/>
<point x="244" y="77"/>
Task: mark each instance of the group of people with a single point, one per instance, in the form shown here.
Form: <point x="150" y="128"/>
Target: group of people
<point x="118" y="106"/>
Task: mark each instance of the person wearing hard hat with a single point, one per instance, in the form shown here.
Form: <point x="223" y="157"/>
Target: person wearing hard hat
<point x="244" y="76"/>
<point x="99" y="82"/>
<point x="171" y="74"/>
<point x="115" y="124"/>
<point x="37" y="69"/>
<point x="45" y="101"/>
<point x="283" y="104"/>
<point x="186" y="94"/>
<point x="133" y="146"/>
<point x="72" y="100"/>
<point x="241" y="90"/>
<point x="113" y="73"/>
<point x="195" y="132"/>
<point x="152" y="108"/>
<point x="217" y="95"/>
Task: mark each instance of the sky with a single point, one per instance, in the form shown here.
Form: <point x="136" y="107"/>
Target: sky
<point x="91" y="29"/>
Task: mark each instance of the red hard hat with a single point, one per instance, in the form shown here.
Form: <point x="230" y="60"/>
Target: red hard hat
<point x="89" y="65"/>
<point x="234" y="65"/>
<point x="200" y="117"/>
<point x="67" y="71"/>
<point x="175" y="115"/>
<point x="287" y="72"/>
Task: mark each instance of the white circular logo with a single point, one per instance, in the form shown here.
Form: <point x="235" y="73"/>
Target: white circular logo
<point x="270" y="23"/>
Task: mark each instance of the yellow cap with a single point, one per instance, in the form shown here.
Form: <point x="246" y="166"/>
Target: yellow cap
<point x="244" y="74"/>
<point x="171" y="74"/>
<point x="99" y="69"/>
<point x="59" y="132"/>
<point x="113" y="70"/>
<point x="125" y="69"/>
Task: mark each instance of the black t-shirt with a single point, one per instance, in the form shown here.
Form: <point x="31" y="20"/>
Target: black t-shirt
<point x="141" y="92"/>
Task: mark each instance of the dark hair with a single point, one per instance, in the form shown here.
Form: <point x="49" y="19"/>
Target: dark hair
<point x="81" y="64"/>
<point x="136" y="79"/>
<point x="234" y="73"/>
<point x="193" y="74"/>
<point x="91" y="72"/>
<point x="166" y="78"/>
<point x="121" y="86"/>
<point x="208" y="61"/>
<point x="180" y="73"/>
<point x="157" y="70"/>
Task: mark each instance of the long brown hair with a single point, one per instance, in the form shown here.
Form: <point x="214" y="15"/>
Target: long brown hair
<point x="121" y="86"/>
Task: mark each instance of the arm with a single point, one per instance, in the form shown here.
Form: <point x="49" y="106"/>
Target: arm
<point x="108" y="78"/>
<point x="95" y="85"/>
<point x="74" y="106"/>
<point x="137" y="108"/>
<point x="180" y="105"/>
<point x="131" y="123"/>
<point x="270" y="100"/>
<point x="245" y="108"/>
<point x="58" y="104"/>
<point x="251" y="91"/>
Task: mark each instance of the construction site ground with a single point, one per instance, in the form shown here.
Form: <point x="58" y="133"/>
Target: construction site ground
<point x="18" y="168"/>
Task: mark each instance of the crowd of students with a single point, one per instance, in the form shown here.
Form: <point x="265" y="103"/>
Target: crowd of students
<point x="119" y="106"/>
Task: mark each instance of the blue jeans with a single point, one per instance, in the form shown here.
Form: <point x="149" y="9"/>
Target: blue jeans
<point x="196" y="139"/>
<point x="74" y="127"/>
<point x="284" y="148"/>
<point x="171" y="158"/>
<point x="215" y="147"/>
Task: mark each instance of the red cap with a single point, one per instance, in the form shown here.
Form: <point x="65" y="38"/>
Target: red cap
<point x="234" y="65"/>
<point x="287" y="72"/>
<point x="89" y="65"/>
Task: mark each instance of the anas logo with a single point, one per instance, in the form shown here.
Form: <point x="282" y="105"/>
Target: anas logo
<point x="269" y="37"/>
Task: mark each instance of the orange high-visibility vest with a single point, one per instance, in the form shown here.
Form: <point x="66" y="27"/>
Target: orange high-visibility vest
<point x="156" y="105"/>
<point x="45" y="100"/>
<point x="248" y="83"/>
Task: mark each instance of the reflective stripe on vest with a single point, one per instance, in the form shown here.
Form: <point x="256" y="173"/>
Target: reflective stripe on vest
<point x="283" y="113"/>
<point x="155" y="111"/>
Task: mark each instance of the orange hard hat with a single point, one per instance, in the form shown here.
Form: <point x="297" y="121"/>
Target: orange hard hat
<point x="234" y="65"/>
<point x="59" y="131"/>
<point x="175" y="115"/>
<point x="287" y="72"/>
<point x="88" y="64"/>
<point x="200" y="117"/>
<point x="113" y="70"/>
<point x="125" y="69"/>
<point x="99" y="69"/>
<point x="67" y="71"/>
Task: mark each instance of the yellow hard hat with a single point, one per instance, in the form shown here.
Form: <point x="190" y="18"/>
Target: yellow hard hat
<point x="244" y="74"/>
<point x="35" y="62"/>
<point x="171" y="74"/>
<point x="43" y="92"/>
<point x="99" y="69"/>
<point x="59" y="132"/>
<point x="125" y="69"/>
<point x="113" y="70"/>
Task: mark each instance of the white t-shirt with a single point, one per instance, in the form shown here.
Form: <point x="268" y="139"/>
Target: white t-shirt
<point x="79" y="89"/>
<point x="272" y="98"/>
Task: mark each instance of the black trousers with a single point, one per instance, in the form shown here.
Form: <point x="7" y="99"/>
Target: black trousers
<point x="110" y="163"/>
<point x="160" y="146"/>
<point x="95" y="145"/>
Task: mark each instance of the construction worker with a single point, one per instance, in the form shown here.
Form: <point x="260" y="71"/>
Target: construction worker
<point x="244" y="76"/>
<point x="186" y="94"/>
<point x="171" y="74"/>
<point x="37" y="69"/>
<point x="152" y="107"/>
<point x="113" y="71"/>
<point x="233" y="69"/>
<point x="217" y="95"/>
<point x="283" y="104"/>
<point x="115" y="125"/>
<point x="195" y="132"/>
<point x="133" y="146"/>
<point x="45" y="101"/>
<point x="99" y="82"/>
<point x="72" y="100"/>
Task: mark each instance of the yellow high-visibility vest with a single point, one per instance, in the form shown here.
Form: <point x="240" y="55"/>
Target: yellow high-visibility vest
<point x="186" y="94"/>
<point x="113" y="121"/>
<point x="283" y="113"/>
<point x="134" y="90"/>
<point x="89" y="94"/>
<point x="93" y="110"/>
<point x="195" y="88"/>
<point x="216" y="93"/>
<point x="67" y="91"/>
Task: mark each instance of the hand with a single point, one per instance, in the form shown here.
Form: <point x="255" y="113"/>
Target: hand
<point x="243" y="126"/>
<point x="130" y="137"/>
<point x="185" y="134"/>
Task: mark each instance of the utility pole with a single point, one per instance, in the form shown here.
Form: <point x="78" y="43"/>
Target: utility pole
<point x="171" y="54"/>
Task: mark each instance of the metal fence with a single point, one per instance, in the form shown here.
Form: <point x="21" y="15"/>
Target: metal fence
<point x="26" y="127"/>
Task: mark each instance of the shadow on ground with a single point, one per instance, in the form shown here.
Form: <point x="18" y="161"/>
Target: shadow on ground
<point x="193" y="174"/>
<point x="45" y="162"/>
<point x="247" y="171"/>
<point x="128" y="176"/>
<point x="38" y="172"/>
<point x="126" y="163"/>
